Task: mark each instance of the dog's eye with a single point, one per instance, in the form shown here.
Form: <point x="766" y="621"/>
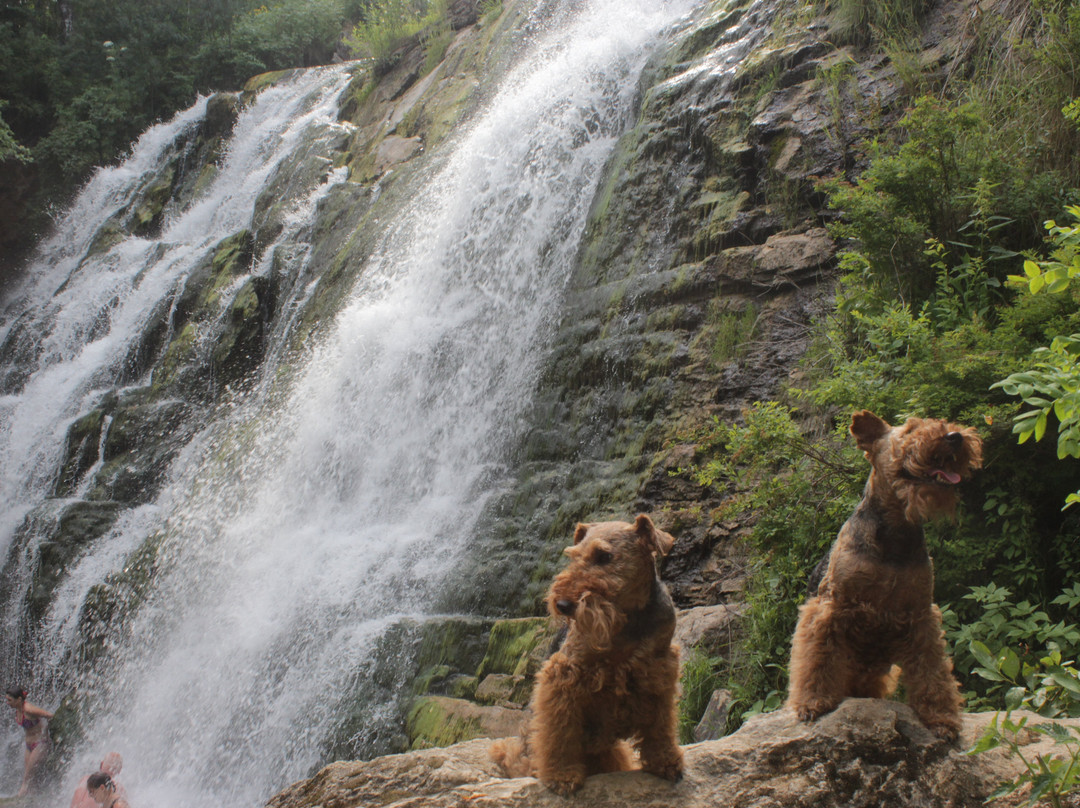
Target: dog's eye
<point x="601" y="557"/>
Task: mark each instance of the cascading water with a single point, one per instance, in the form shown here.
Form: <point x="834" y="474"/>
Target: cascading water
<point x="296" y="529"/>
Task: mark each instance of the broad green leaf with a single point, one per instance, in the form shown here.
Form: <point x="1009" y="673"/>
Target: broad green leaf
<point x="1009" y="663"/>
<point x="983" y="655"/>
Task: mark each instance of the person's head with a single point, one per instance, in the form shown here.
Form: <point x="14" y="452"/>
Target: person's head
<point x="15" y="696"/>
<point x="99" y="786"/>
<point x="112" y="764"/>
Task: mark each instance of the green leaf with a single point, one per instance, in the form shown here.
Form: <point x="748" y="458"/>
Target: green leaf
<point x="1009" y="663"/>
<point x="1040" y="426"/>
<point x="1014" y="697"/>
<point x="983" y="655"/>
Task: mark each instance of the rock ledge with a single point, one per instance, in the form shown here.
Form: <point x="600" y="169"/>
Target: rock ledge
<point x="866" y="753"/>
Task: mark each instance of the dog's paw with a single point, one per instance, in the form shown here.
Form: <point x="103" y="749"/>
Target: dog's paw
<point x="813" y="711"/>
<point x="669" y="770"/>
<point x="564" y="783"/>
<point x="947" y="729"/>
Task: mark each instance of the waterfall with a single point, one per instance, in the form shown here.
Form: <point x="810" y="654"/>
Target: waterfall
<point x="302" y="524"/>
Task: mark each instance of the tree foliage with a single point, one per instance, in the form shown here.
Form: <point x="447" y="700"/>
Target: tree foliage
<point x="81" y="79"/>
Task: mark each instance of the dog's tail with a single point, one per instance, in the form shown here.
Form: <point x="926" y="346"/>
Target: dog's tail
<point x="511" y="756"/>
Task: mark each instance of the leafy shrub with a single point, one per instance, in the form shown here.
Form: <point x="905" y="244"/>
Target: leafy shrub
<point x="288" y="33"/>
<point x="951" y="183"/>
<point x="800" y="491"/>
<point x="1052" y="386"/>
<point x="1051" y="776"/>
<point x="1046" y="682"/>
<point x="10" y="148"/>
<point x="1026" y="635"/>
<point x="388" y="25"/>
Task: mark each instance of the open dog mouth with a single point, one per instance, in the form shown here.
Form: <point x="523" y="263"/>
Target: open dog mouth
<point x="945" y="477"/>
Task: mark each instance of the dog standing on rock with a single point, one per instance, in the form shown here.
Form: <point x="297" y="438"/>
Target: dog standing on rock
<point x="615" y="677"/>
<point x="873" y="608"/>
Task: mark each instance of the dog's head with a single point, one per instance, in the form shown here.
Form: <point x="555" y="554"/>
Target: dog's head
<point x="921" y="461"/>
<point x="611" y="573"/>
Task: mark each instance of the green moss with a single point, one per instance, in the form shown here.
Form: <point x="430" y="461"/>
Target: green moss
<point x="512" y="645"/>
<point x="108" y="236"/>
<point x="179" y="354"/>
<point x="729" y="332"/>
<point x="462" y="687"/>
<point x="430" y="724"/>
<point x="232" y="258"/>
<point x="154" y="198"/>
<point x="256" y="84"/>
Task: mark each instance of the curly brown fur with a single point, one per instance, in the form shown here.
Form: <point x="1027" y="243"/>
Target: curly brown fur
<point x="871" y="616"/>
<point x="610" y="688"/>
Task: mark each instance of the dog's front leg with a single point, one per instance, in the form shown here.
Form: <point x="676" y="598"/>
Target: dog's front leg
<point x="657" y="725"/>
<point x="819" y="662"/>
<point x="933" y="692"/>
<point x="557" y="729"/>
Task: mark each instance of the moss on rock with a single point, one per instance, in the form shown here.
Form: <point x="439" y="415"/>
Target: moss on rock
<point x="518" y="646"/>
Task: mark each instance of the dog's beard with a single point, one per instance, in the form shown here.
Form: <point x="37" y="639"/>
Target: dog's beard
<point x="598" y="621"/>
<point x="926" y="503"/>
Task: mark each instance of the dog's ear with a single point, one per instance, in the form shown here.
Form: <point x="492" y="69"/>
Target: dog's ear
<point x="868" y="429"/>
<point x="657" y="541"/>
<point x="580" y="531"/>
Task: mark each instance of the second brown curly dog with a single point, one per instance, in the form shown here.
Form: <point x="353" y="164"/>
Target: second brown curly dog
<point x="873" y="608"/>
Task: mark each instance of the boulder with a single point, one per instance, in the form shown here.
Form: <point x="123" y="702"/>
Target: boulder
<point x="714" y="628"/>
<point x="866" y="753"/>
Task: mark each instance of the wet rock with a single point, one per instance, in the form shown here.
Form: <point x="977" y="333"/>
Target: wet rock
<point x="74" y="528"/>
<point x="240" y="347"/>
<point x="394" y="150"/>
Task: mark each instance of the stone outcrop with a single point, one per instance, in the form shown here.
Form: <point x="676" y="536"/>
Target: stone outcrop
<point x="866" y="753"/>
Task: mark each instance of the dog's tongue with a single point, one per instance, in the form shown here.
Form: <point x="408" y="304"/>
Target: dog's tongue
<point x="950" y="477"/>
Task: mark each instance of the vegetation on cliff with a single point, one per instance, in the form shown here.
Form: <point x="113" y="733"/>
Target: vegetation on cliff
<point x="80" y="80"/>
<point x="950" y="206"/>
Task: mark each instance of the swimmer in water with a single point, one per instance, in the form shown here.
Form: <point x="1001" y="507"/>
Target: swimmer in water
<point x="35" y="723"/>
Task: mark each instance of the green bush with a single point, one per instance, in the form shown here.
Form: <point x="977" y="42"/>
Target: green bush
<point x="1044" y="681"/>
<point x="865" y="20"/>
<point x="800" y="491"/>
<point x="386" y="27"/>
<point x="951" y="183"/>
<point x="1052" y="386"/>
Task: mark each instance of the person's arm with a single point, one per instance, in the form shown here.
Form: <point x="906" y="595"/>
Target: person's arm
<point x="80" y="797"/>
<point x="34" y="711"/>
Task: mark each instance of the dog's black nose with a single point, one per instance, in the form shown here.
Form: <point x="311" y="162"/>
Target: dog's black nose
<point x="954" y="439"/>
<point x="565" y="607"/>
